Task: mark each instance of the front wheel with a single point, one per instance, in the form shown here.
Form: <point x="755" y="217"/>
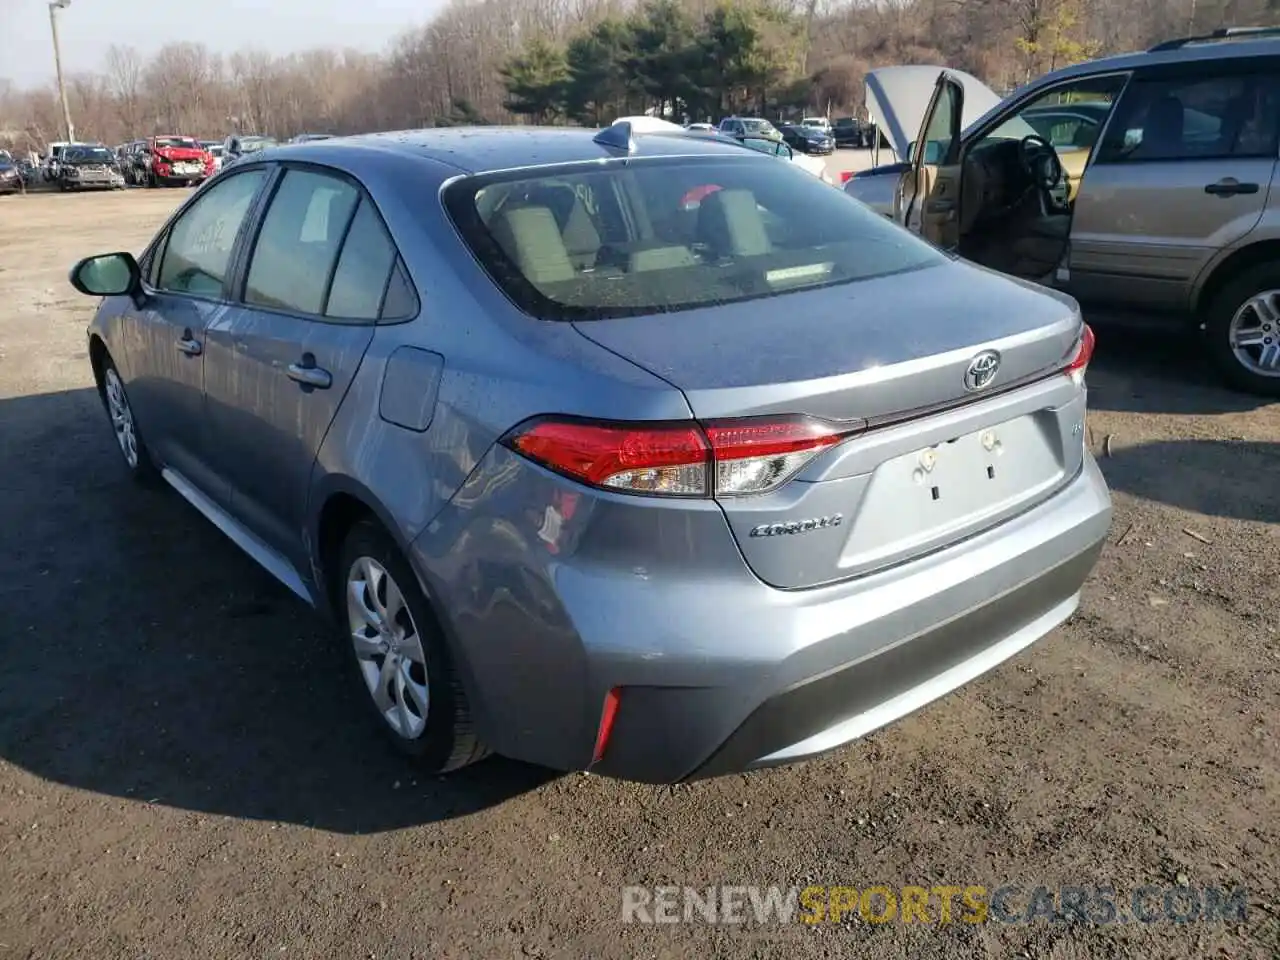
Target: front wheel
<point x="1242" y="322"/>
<point x="399" y="656"/>
<point x="132" y="448"/>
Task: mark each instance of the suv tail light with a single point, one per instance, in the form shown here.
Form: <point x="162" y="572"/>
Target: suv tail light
<point x="722" y="458"/>
<point x="1076" y="368"/>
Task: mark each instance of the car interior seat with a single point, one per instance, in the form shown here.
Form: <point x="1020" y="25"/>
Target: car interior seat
<point x="577" y="231"/>
<point x="729" y="224"/>
<point x="530" y="236"/>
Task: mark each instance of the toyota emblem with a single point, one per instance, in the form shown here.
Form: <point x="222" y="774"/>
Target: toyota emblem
<point x="981" y="370"/>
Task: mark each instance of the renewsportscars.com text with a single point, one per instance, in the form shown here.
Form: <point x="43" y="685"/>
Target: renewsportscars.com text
<point x="943" y="904"/>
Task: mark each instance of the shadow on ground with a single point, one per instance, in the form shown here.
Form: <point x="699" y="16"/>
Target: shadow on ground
<point x="1238" y="479"/>
<point x="144" y="656"/>
<point x="1160" y="371"/>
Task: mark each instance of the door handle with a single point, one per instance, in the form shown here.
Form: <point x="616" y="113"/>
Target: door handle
<point x="1229" y="187"/>
<point x="190" y="346"/>
<point x="308" y="374"/>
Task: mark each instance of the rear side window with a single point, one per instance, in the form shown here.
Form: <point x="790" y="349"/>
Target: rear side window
<point x="401" y="302"/>
<point x="298" y="244"/>
<point x="1195" y="118"/>
<point x="363" y="269"/>
<point x="652" y="235"/>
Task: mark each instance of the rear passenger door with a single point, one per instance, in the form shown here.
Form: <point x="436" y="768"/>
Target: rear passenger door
<point x="1183" y="170"/>
<point x="277" y="367"/>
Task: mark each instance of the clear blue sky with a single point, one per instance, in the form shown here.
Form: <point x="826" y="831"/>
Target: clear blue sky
<point x="88" y="27"/>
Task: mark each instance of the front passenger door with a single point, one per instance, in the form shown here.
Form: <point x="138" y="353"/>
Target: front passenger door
<point x="166" y="335"/>
<point x="929" y="194"/>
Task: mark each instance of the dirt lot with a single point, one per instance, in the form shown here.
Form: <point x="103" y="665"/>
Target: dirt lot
<point x="182" y="772"/>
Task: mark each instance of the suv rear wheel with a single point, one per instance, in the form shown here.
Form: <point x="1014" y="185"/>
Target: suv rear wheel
<point x="1243" y="325"/>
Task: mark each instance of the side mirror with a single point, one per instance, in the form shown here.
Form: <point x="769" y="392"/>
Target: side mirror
<point x="107" y="275"/>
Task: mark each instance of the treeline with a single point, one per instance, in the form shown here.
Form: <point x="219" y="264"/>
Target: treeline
<point x="491" y="61"/>
<point x="736" y="56"/>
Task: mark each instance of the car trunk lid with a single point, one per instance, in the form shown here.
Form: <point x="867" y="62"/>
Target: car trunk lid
<point x="928" y="460"/>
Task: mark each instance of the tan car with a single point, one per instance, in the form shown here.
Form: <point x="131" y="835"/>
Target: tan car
<point x="1140" y="184"/>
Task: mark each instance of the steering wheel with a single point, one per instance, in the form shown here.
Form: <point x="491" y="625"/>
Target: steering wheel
<point x="1040" y="161"/>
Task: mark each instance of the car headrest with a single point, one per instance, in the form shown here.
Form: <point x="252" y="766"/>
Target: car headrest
<point x="729" y="223"/>
<point x="529" y="235"/>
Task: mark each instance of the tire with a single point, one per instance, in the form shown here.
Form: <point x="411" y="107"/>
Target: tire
<point x="136" y="456"/>
<point x="1219" y="316"/>
<point x="447" y="741"/>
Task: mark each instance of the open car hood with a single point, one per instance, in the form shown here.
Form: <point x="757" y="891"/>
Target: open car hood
<point x="897" y="98"/>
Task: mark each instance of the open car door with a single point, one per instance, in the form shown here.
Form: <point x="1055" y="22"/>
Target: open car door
<point x="929" y="193"/>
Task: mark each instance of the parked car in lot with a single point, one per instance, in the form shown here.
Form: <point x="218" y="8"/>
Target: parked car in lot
<point x="807" y="139"/>
<point x="525" y="412"/>
<point x="1168" y="220"/>
<point x="89" y="168"/>
<point x="850" y="132"/>
<point x="237" y="146"/>
<point x="10" y="177"/>
<point x="749" y="127"/>
<point x="216" y="150"/>
<point x="776" y="148"/>
<point x="820" y="123"/>
<point x="175" y="160"/>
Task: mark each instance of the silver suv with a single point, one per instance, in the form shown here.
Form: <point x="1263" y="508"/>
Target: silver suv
<point x="749" y="127"/>
<point x="1140" y="184"/>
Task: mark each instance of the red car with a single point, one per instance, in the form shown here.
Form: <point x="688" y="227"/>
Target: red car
<point x="176" y="160"/>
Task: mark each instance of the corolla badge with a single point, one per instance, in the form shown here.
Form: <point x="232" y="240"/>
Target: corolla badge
<point x="981" y="370"/>
<point x="797" y="526"/>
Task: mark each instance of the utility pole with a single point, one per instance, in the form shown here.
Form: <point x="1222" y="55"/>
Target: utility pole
<point x="54" y="7"/>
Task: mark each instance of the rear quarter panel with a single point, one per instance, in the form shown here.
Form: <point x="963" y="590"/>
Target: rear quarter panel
<point x="489" y="366"/>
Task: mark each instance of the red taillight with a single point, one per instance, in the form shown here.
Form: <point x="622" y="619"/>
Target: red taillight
<point x="607" y="715"/>
<point x="847" y="175"/>
<point x="719" y="458"/>
<point x="1084" y="353"/>
<point x="658" y="458"/>
<point x="757" y="455"/>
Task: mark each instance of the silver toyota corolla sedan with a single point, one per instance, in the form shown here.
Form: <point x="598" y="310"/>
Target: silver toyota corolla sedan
<point x="643" y="453"/>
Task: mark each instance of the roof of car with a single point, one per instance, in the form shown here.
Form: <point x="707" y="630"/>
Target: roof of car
<point x="1191" y="53"/>
<point x="488" y="149"/>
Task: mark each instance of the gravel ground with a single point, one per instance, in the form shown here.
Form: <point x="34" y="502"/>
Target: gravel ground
<point x="183" y="774"/>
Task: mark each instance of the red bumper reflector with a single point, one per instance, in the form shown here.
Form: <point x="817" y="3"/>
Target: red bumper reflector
<point x="607" y="716"/>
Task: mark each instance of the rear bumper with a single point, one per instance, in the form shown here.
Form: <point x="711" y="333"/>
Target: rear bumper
<point x="718" y="672"/>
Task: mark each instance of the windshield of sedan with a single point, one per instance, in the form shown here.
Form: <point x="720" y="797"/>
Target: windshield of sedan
<point x="183" y="142"/>
<point x="593" y="241"/>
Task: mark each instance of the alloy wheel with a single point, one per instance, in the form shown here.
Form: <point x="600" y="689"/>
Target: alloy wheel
<point x="121" y="417"/>
<point x="388" y="648"/>
<point x="1254" y="334"/>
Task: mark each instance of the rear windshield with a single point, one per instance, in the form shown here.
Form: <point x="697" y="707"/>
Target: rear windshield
<point x="593" y="241"/>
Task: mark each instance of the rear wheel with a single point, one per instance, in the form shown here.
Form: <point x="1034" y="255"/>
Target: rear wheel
<point x="1243" y="325"/>
<point x="399" y="658"/>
